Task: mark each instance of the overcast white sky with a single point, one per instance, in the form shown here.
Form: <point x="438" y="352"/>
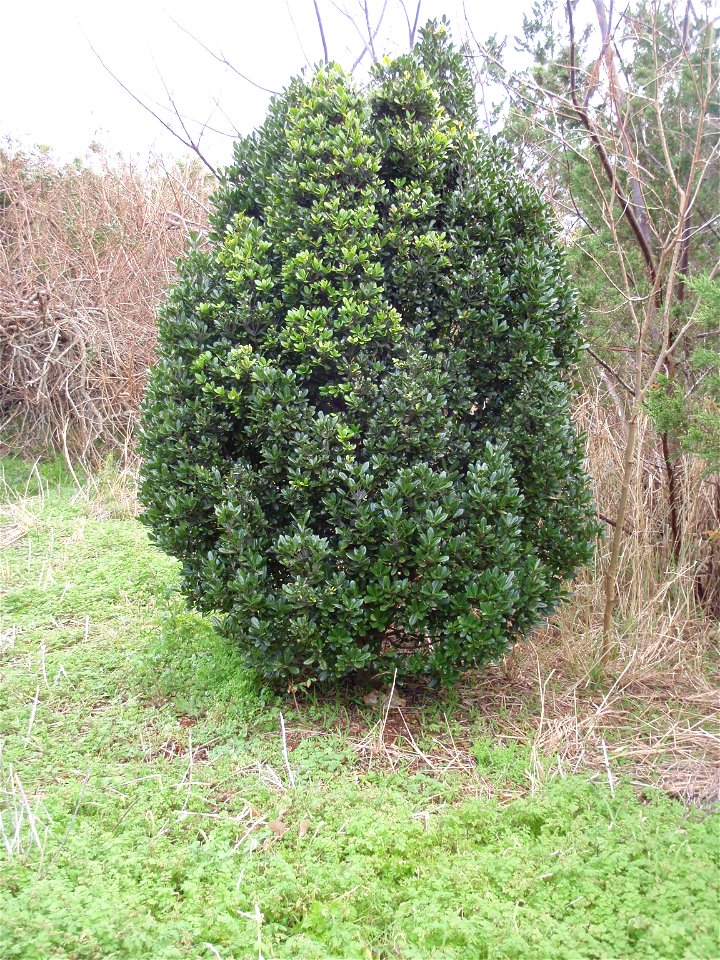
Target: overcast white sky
<point x="54" y="90"/>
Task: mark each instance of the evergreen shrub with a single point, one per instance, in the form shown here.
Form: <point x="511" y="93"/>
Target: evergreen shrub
<point x="357" y="437"/>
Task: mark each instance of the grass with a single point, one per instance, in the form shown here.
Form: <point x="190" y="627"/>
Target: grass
<point x="151" y="807"/>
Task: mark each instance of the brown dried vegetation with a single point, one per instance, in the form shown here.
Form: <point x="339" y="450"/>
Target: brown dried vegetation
<point x="85" y="254"/>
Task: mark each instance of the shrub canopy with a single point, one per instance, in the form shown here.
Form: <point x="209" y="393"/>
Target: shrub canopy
<point x="357" y="438"/>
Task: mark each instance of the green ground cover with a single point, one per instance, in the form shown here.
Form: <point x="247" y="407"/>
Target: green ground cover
<point x="148" y="811"/>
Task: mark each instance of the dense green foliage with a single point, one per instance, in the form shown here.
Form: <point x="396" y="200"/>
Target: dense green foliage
<point x="357" y="437"/>
<point x="693" y="416"/>
<point x="106" y="696"/>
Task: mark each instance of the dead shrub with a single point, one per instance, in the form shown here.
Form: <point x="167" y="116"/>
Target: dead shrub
<point x="86" y="251"/>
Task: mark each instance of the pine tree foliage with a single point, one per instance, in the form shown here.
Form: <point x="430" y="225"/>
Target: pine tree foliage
<point x="357" y="437"/>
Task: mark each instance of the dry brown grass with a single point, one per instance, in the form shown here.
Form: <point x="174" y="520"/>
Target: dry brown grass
<point x="654" y="709"/>
<point x="85" y="255"/>
<point x="647" y="728"/>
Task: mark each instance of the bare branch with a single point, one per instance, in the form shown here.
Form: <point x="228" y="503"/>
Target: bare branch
<point x="322" y="31"/>
<point x="369" y="32"/>
<point x="582" y="112"/>
<point x="297" y="32"/>
<point x="411" y="29"/>
<point x="190" y="143"/>
<point x="222" y="59"/>
<point x="371" y="37"/>
<point x="606" y="366"/>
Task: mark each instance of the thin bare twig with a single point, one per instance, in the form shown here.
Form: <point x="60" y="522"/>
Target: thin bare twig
<point x="286" y="758"/>
<point x="321" y="28"/>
